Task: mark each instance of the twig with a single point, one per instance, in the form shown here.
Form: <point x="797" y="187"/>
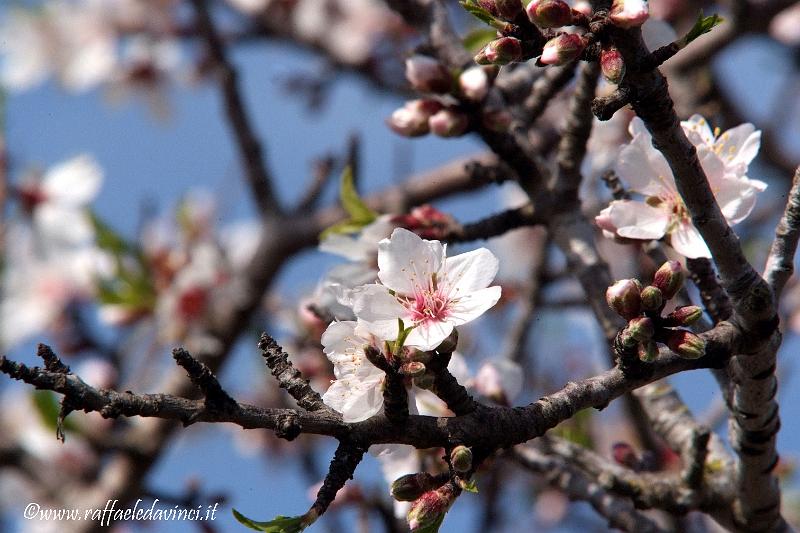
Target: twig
<point x="345" y="460"/>
<point x="543" y="90"/>
<point x="205" y="380"/>
<point x="395" y="395"/>
<point x="780" y="263"/>
<point x="495" y="225"/>
<point x="288" y="377"/>
<point x="696" y="458"/>
<point x="250" y="148"/>
<point x="447" y="387"/>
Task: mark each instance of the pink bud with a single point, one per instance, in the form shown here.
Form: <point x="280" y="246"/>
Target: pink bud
<point x="686" y="344"/>
<point x="448" y="122"/>
<point x="684" y="316"/>
<point x="629" y="13"/>
<point x="562" y="49"/>
<point x="583" y="7"/>
<point x="429" y="508"/>
<point x="411" y="486"/>
<point x="669" y="279"/>
<point x="474" y="83"/>
<point x="624" y="298"/>
<point x="428" y="75"/>
<point x="508" y="9"/>
<point x="549" y="13"/>
<point x="625" y="455"/>
<point x="612" y="65"/>
<point x="411" y="120"/>
<point x="503" y="51"/>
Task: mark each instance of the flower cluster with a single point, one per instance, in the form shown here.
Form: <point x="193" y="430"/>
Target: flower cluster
<point x="642" y="308"/>
<point x="725" y="159"/>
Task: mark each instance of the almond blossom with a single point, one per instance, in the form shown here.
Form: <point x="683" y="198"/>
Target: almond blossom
<point x="725" y="159"/>
<point x="424" y="289"/>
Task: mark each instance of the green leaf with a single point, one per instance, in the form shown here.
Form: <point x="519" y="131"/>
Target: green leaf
<point x="108" y="239"/>
<point x="279" y="524"/>
<point x="478" y="38"/>
<point x="470" y="486"/>
<point x="351" y="202"/>
<point x="345" y="227"/>
<point x="46" y="404"/>
<point x="703" y="25"/>
<point x="478" y="12"/>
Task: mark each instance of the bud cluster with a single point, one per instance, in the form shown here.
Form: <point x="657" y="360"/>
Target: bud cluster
<point x="439" y="113"/>
<point x="642" y="308"/>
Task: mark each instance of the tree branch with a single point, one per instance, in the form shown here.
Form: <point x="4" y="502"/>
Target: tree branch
<point x="780" y="263"/>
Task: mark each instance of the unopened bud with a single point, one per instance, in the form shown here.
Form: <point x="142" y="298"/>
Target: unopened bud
<point x="450" y="344"/>
<point x="474" y="83"/>
<point x="624" y="297"/>
<point x="612" y="65"/>
<point x="625" y="455"/>
<point x="425" y="381"/>
<point x="411" y="486"/>
<point x="629" y="13"/>
<point x="651" y="298"/>
<point x="489" y="5"/>
<point x="411" y="120"/>
<point x="549" y="13"/>
<point x="461" y="459"/>
<point x="428" y="75"/>
<point x="647" y="351"/>
<point x="448" y="122"/>
<point x="642" y="329"/>
<point x="503" y="51"/>
<point x="583" y="7"/>
<point x="481" y="58"/>
<point x="496" y="119"/>
<point x="686" y="344"/>
<point x="508" y="9"/>
<point x="684" y="316"/>
<point x="430" y="508"/>
<point x="412" y="368"/>
<point x="562" y="49"/>
<point x="669" y="279"/>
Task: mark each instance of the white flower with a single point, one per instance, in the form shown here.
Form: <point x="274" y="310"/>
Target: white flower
<point x="357" y="392"/>
<point x="397" y="460"/>
<point x="425" y="289"/>
<point x="59" y="200"/>
<point x="724" y="159"/>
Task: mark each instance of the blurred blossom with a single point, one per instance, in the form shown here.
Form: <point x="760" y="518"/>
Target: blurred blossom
<point x="72" y="41"/>
<point x="362" y="246"/>
<point x="785" y="27"/>
<point x="59" y="199"/>
<point x="397" y="460"/>
<point x="250" y="7"/>
<point x="500" y="380"/>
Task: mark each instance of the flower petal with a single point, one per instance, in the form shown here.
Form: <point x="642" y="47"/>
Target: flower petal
<point x="637" y="220"/>
<point x="377" y="311"/>
<point x="429" y="334"/>
<point x="406" y="261"/>
<point x="739" y="146"/>
<point x="687" y="241"/>
<point x="73" y="183"/>
<point x="471" y="306"/>
<point x="470" y="271"/>
<point x="698" y="130"/>
<point x="357" y="397"/>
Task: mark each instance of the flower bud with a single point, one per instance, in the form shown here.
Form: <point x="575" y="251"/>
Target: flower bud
<point x="651" y="298"/>
<point x="612" y="65"/>
<point x="480" y="58"/>
<point x="428" y="75"/>
<point x="508" y="9"/>
<point x="461" y="459"/>
<point x="642" y="329"/>
<point x="684" y="316"/>
<point x="496" y="119"/>
<point x="412" y="368"/>
<point x="503" y="51"/>
<point x="474" y="83"/>
<point x="647" y="351"/>
<point x="625" y="455"/>
<point x="628" y="13"/>
<point x="411" y="486"/>
<point x="549" y="13"/>
<point x="686" y="344"/>
<point x="562" y="49"/>
<point x="411" y="120"/>
<point x="430" y="508"/>
<point x="583" y="7"/>
<point x="448" y="122"/>
<point x="624" y="297"/>
<point x="669" y="279"/>
<point x="489" y="5"/>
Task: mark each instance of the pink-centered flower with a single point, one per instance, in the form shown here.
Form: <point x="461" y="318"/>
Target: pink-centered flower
<point x="724" y="158"/>
<point x="425" y="289"/>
